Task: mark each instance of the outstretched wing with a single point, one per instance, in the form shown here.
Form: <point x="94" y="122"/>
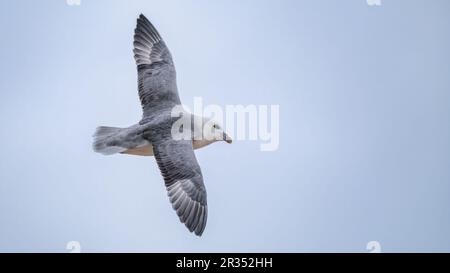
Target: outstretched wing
<point x="184" y="182"/>
<point x="156" y="71"/>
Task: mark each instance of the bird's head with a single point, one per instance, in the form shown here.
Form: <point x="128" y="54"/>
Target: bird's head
<point x="218" y="133"/>
<point x="213" y="131"/>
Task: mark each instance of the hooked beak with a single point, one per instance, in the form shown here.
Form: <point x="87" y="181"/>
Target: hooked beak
<point x="227" y="138"/>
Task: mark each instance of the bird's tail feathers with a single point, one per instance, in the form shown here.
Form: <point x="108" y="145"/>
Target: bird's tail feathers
<point x="104" y="140"/>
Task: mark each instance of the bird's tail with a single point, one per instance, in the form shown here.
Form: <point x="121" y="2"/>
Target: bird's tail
<point x="105" y="139"/>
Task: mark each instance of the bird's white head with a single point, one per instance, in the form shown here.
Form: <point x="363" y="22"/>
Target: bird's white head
<point x="209" y="130"/>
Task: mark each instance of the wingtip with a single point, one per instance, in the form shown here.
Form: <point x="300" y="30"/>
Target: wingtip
<point x="142" y="18"/>
<point x="199" y="233"/>
<point x="201" y="225"/>
<point x="196" y="223"/>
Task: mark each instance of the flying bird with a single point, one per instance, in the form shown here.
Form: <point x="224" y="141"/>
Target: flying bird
<point x="154" y="134"/>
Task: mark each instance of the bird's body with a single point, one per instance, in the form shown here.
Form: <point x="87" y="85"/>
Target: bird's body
<point x="158" y="133"/>
<point x="132" y="140"/>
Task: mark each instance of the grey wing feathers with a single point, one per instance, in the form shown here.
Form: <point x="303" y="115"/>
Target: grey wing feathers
<point x="148" y="44"/>
<point x="184" y="182"/>
<point x="156" y="71"/>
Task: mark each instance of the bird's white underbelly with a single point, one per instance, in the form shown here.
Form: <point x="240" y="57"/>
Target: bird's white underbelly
<point x="147" y="150"/>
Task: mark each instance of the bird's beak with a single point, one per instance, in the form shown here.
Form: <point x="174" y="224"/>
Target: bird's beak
<point x="227" y="138"/>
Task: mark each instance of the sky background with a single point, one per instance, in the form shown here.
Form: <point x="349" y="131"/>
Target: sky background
<point x="364" y="155"/>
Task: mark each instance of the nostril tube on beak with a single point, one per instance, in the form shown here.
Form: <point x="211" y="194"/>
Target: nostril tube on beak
<point x="227" y="138"/>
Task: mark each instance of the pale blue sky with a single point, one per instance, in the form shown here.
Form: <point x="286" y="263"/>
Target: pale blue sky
<point x="364" y="95"/>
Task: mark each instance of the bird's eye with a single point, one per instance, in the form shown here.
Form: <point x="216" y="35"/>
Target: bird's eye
<point x="215" y="126"/>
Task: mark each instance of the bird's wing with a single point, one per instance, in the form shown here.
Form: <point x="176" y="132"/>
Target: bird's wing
<point x="156" y="71"/>
<point x="184" y="182"/>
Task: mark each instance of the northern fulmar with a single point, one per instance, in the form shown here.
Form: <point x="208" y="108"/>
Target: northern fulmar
<point x="155" y="135"/>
